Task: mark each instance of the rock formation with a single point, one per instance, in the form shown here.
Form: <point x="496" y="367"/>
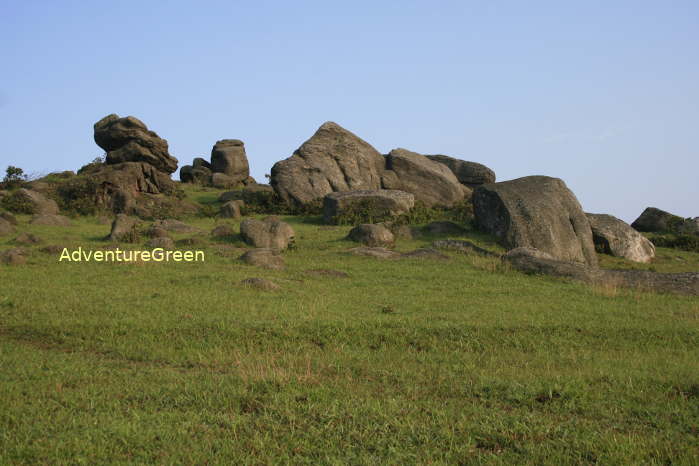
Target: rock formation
<point x="372" y="203"/>
<point x="615" y="237"/>
<point x="471" y="174"/>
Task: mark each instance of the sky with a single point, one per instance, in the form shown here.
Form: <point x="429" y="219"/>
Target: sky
<point x="603" y="94"/>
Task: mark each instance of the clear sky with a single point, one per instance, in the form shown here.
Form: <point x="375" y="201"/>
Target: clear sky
<point x="603" y="94"/>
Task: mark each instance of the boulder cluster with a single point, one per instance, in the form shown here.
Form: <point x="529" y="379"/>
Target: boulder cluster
<point x="227" y="168"/>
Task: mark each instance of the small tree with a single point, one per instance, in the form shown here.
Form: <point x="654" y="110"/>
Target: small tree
<point x="14" y="175"/>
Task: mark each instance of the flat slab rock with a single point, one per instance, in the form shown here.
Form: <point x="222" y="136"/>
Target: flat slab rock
<point x="383" y="253"/>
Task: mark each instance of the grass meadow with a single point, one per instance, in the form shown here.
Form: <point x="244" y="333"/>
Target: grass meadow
<point x="409" y="361"/>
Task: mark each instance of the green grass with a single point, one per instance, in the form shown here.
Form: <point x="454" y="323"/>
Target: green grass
<point x="405" y="362"/>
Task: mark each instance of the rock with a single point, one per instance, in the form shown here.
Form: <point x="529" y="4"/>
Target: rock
<point x="332" y="160"/>
<point x="444" y="228"/>
<point x="190" y="174"/>
<point x="15" y="256"/>
<point x="379" y="253"/>
<point x="267" y="233"/>
<point x="27" y="239"/>
<point x="228" y="157"/>
<point x="430" y="182"/>
<point x="231" y="209"/>
<point x="200" y="162"/>
<point x="327" y="273"/>
<point x="615" y="237"/>
<point x="223" y="181"/>
<point x="51" y="220"/>
<point x="175" y="226"/>
<point x="471" y="174"/>
<point x="222" y="231"/>
<point x="129" y="140"/>
<point x="378" y="204"/>
<point x="264" y="257"/>
<point x="36" y="202"/>
<point x="425" y="253"/>
<point x="372" y="235"/>
<point x="532" y="261"/>
<point x="6" y="227"/>
<point x="124" y="228"/>
<point x="656" y="220"/>
<point x="8" y="217"/>
<point x="158" y="232"/>
<point x="462" y="246"/>
<point x="260" y="284"/>
<point x="536" y="212"/>
<point x="161" y="242"/>
<point x="404" y="232"/>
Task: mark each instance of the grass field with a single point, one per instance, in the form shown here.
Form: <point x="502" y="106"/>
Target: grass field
<point x="402" y="362"/>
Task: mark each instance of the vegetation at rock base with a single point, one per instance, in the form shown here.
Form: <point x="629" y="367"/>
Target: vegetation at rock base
<point x="407" y="361"/>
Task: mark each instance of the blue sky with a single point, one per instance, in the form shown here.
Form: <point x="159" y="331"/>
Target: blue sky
<point x="604" y="95"/>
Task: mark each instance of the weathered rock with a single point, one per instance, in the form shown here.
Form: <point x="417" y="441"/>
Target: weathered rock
<point x="471" y="174"/>
<point x="6" y="227"/>
<point x="372" y="203"/>
<point x="27" y="239"/>
<point x="36" y="202"/>
<point x="8" y="217"/>
<point x="223" y="181"/>
<point x="190" y="174"/>
<point x="221" y="231"/>
<point x="444" y="228"/>
<point x="532" y="261"/>
<point x="189" y="242"/>
<point x="161" y="242"/>
<point x="656" y="220"/>
<point x="615" y="237"/>
<point x="200" y="162"/>
<point x="267" y="233"/>
<point x="430" y="182"/>
<point x="158" y="232"/>
<point x="124" y="228"/>
<point x="332" y="160"/>
<point x="15" y="256"/>
<point x="129" y="140"/>
<point x="231" y="209"/>
<point x="264" y="257"/>
<point x="536" y="212"/>
<point x="260" y="284"/>
<point x="462" y="246"/>
<point x="228" y="157"/>
<point x="175" y="226"/>
<point x="372" y="235"/>
<point x="377" y="252"/>
<point x="51" y="220"/>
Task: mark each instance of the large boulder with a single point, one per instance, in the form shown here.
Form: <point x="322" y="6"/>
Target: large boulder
<point x="471" y="174"/>
<point x="332" y="160"/>
<point x="373" y="203"/>
<point x="615" y="237"/>
<point x="656" y="220"/>
<point x="191" y="174"/>
<point x="269" y="232"/>
<point x="129" y="140"/>
<point x="536" y="212"/>
<point x="430" y="182"/>
<point x="374" y="235"/>
<point x="228" y="157"/>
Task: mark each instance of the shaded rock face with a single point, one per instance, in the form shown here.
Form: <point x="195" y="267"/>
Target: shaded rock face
<point x="471" y="174"/>
<point x="231" y="209"/>
<point x="380" y="202"/>
<point x="267" y="233"/>
<point x="190" y="174"/>
<point x="536" y="212"/>
<point x="129" y="140"/>
<point x="430" y="182"/>
<point x="372" y="235"/>
<point x="39" y="203"/>
<point x="332" y="160"/>
<point x="656" y="220"/>
<point x="228" y="157"/>
<point x="264" y="257"/>
<point x="617" y="238"/>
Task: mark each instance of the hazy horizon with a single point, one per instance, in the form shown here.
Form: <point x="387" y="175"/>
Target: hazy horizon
<point x="603" y="96"/>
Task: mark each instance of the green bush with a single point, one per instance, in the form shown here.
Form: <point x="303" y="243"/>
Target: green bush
<point x="677" y="241"/>
<point x="17" y="203"/>
<point x="78" y="196"/>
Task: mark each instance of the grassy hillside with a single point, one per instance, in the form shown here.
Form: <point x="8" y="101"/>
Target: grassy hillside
<point x="401" y="362"/>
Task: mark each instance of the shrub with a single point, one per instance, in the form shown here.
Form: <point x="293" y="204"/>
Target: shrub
<point x="14" y="177"/>
<point x="17" y="203"/>
<point x="78" y="196"/>
<point x="677" y="241"/>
